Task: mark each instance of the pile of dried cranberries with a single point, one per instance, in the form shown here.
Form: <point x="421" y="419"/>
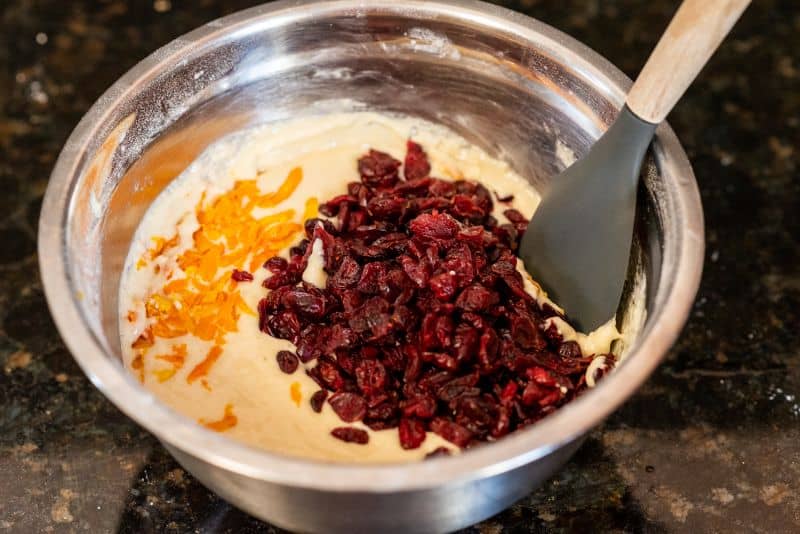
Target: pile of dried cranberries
<point x="424" y="323"/>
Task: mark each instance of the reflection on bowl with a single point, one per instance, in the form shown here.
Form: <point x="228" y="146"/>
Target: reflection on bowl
<point x="515" y="87"/>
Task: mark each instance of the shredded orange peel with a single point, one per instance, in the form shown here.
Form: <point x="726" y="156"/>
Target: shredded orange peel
<point x="295" y="393"/>
<point x="228" y="421"/>
<point x="201" y="299"/>
<point x="177" y="358"/>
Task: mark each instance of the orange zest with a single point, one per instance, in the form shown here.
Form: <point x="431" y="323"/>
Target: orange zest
<point x="312" y="208"/>
<point x="145" y="340"/>
<point x="199" y="298"/>
<point x="176" y="358"/>
<point x="284" y="191"/>
<point x="160" y="245"/>
<point x="295" y="394"/>
<point x="228" y="421"/>
<point x="164" y="374"/>
<point x="205" y="302"/>
<point x="137" y="364"/>
<point x="202" y="368"/>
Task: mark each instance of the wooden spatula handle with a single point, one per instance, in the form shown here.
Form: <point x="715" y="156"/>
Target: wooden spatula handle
<point x="693" y="35"/>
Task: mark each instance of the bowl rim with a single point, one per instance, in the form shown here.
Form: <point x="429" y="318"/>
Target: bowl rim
<point x="677" y="286"/>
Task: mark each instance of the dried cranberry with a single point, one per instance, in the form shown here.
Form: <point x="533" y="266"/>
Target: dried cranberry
<point x="378" y="424"/>
<point x="287" y="361"/>
<point x="383" y="411"/>
<point x="416" y="163"/>
<point x="438" y="452"/>
<point x="502" y="424"/>
<point x="417" y="205"/>
<point x="508" y="273"/>
<point x="331" y="208"/>
<point x="241" y="276"/>
<point x="412" y="433"/>
<point x="459" y="387"/>
<point x="483" y="197"/>
<point x="372" y="277"/>
<point x="476" y="413"/>
<point x="330" y="375"/>
<point x="444" y="331"/>
<point x="424" y="321"/>
<point x="391" y="243"/>
<point x="389" y="207"/>
<point x="459" y="262"/>
<point x="282" y="278"/>
<point x="434" y="226"/>
<point x="297" y="254"/>
<point x="452" y="432"/>
<point x="442" y="188"/>
<point x="414" y="187"/>
<point x="466" y="207"/>
<point x="441" y="359"/>
<point x="465" y="341"/>
<point x="338" y="337"/>
<point x="430" y="333"/>
<point x="539" y="375"/>
<point x="532" y="393"/>
<point x="418" y="271"/>
<point x="413" y="363"/>
<point x="475" y="298"/>
<point x="276" y="264"/>
<point x="489" y="346"/>
<point x="318" y="400"/>
<point x="351" y="435"/>
<point x="515" y="216"/>
<point x="507" y="234"/>
<point x="443" y="285"/>
<point x="372" y="320"/>
<point x="570" y="350"/>
<point x="404" y="317"/>
<point x="370" y="377"/>
<point x="351" y="300"/>
<point x="311" y="225"/>
<point x="505" y="199"/>
<point x="358" y="190"/>
<point x="284" y="325"/>
<point x="308" y="345"/>
<point x="378" y="169"/>
<point x="525" y="333"/>
<point x="422" y="406"/>
<point x="349" y="407"/>
<point x="309" y="302"/>
<point x="509" y="392"/>
<point x="433" y="378"/>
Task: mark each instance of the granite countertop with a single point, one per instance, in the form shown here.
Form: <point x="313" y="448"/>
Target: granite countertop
<point x="710" y="444"/>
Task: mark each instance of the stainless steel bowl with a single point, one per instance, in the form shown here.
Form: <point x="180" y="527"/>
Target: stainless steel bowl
<point x="506" y="82"/>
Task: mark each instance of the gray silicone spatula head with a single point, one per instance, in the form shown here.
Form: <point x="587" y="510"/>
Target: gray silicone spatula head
<point x="578" y="242"/>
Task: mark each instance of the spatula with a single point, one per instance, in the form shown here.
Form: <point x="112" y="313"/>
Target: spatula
<point x="578" y="242"/>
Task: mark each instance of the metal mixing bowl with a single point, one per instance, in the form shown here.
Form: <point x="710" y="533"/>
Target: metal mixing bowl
<point x="510" y="84"/>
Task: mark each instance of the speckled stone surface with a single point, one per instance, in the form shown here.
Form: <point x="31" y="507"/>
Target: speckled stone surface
<point x="710" y="444"/>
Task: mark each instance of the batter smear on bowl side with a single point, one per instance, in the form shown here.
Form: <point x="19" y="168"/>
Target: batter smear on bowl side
<point x="345" y="288"/>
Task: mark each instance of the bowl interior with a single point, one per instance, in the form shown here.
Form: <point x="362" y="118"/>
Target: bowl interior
<point x="516" y="102"/>
<point x="509" y="85"/>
